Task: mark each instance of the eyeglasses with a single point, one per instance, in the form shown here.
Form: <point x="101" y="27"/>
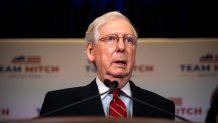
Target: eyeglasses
<point x="112" y="40"/>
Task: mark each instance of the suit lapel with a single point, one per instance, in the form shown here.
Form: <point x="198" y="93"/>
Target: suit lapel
<point x="138" y="108"/>
<point x="93" y="106"/>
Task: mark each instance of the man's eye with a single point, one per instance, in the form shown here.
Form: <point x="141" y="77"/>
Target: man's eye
<point x="129" y="40"/>
<point x="111" y="38"/>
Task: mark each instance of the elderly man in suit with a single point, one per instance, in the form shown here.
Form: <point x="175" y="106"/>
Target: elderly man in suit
<point x="111" y="42"/>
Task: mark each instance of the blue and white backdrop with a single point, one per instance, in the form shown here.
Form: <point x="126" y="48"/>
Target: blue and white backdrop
<point x="183" y="70"/>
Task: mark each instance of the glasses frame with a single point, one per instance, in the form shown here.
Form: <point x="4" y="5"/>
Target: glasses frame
<point x="113" y="44"/>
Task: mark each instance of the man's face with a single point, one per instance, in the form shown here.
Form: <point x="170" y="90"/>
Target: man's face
<point x="114" y="61"/>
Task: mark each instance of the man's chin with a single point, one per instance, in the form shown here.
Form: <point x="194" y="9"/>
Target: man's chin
<point x="119" y="75"/>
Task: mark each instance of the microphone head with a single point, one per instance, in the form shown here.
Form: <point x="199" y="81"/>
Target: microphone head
<point x="114" y="84"/>
<point x="107" y="82"/>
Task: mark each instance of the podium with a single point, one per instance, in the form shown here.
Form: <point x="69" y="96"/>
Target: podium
<point x="90" y="120"/>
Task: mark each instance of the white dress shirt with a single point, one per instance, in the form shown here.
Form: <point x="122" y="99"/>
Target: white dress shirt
<point x="106" y="98"/>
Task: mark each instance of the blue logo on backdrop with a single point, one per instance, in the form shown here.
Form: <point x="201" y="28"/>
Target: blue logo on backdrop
<point x="23" y="66"/>
<point x="207" y="65"/>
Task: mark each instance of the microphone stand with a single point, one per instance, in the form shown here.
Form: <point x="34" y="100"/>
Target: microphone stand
<point x="73" y="104"/>
<point x="157" y="108"/>
<point x="106" y="82"/>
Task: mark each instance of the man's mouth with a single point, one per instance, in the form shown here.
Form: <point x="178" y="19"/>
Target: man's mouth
<point x="121" y="62"/>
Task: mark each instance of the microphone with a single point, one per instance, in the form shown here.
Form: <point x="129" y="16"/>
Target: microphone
<point x="108" y="83"/>
<point x="155" y="107"/>
<point x="112" y="85"/>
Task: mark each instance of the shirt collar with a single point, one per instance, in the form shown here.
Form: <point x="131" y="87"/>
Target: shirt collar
<point x="103" y="88"/>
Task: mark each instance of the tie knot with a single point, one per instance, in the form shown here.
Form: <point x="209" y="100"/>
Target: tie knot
<point x="116" y="93"/>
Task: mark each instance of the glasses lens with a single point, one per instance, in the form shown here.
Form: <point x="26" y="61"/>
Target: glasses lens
<point x="111" y="39"/>
<point x="129" y="40"/>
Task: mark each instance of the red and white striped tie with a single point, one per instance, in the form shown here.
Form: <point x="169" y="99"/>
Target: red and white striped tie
<point x="117" y="108"/>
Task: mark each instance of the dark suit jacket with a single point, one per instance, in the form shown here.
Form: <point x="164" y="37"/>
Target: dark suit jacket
<point x="59" y="98"/>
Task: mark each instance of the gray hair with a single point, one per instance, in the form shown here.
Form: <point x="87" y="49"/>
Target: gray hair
<point x="92" y="33"/>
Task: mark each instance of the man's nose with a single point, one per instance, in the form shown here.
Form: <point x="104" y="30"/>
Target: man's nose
<point x="121" y="44"/>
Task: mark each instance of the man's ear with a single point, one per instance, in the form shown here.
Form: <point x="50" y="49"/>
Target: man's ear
<point x="90" y="51"/>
